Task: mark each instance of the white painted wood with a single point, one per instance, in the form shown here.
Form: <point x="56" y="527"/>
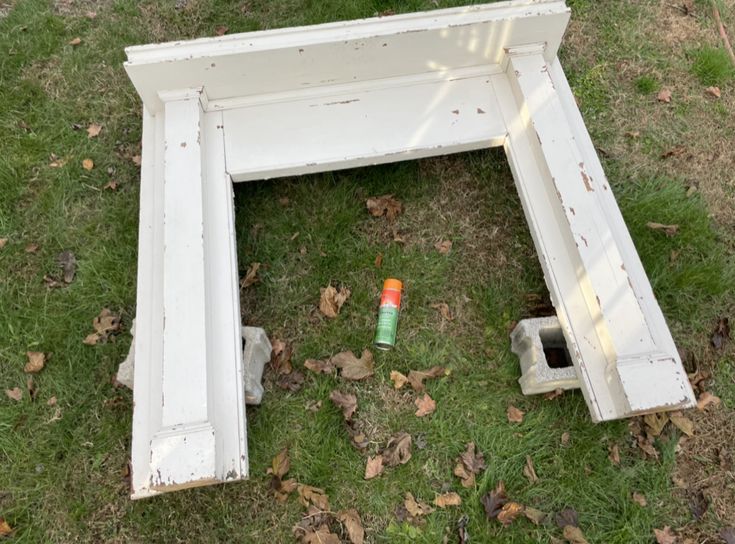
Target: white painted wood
<point x="618" y="344"/>
<point x="394" y="122"/>
<point x="294" y="101"/>
<point x="273" y="61"/>
<point x="189" y="418"/>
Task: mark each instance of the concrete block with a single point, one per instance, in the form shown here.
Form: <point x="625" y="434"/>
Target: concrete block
<point x="125" y="370"/>
<point x="256" y="353"/>
<point x="545" y="361"/>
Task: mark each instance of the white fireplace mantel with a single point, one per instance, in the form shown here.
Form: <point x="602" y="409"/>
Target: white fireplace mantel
<point x="300" y="100"/>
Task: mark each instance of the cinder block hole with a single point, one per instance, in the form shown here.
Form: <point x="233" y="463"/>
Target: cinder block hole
<point x="555" y="348"/>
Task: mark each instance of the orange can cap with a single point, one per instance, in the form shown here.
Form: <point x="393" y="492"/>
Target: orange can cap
<point x="392" y="283"/>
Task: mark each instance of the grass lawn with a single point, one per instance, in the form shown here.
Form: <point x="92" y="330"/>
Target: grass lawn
<point x="63" y="466"/>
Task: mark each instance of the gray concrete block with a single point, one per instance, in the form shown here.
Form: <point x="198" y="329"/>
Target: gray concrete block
<point x="256" y="354"/>
<point x="528" y="340"/>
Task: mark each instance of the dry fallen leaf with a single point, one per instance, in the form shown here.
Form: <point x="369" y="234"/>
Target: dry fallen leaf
<point x="68" y="263"/>
<point x="656" y="423"/>
<point x="565" y="438"/>
<point x="574" y="535"/>
<point x="5" y="528"/>
<point x="280" y="464"/>
<point x="346" y="401"/>
<point x="469" y="463"/>
<point x="536" y="516"/>
<point x="416" y="508"/>
<point x="291" y="382"/>
<point x="447" y="499"/>
<point x="36" y="362"/>
<point x="664" y="536"/>
<point x="251" y="276"/>
<point x="374" y="467"/>
<point x="721" y="333"/>
<point x="640" y="498"/>
<point x="111" y="185"/>
<point x="52" y="401"/>
<point x="494" y="501"/>
<point x="352" y="368"/>
<point x="319" y="366"/>
<point x="75" y="41"/>
<point x="353" y="524"/>
<point x="378" y="260"/>
<point x="551" y="395"/>
<point x="384" y="205"/>
<point x="568" y="516"/>
<point x="529" y="470"/>
<point x="674" y="152"/>
<point x="515" y="415"/>
<point x="93" y="130"/>
<point x="331" y="300"/>
<point x="425" y="405"/>
<point x="3" y="242"/>
<point x="443" y="247"/>
<point x="664" y="95"/>
<point x="705" y="399"/>
<point x="313" y="495"/>
<point x="398" y="450"/>
<point x="669" y="230"/>
<point x="221" y="30"/>
<point x="106" y="325"/>
<point x="509" y="512"/>
<point x="281" y="357"/>
<point x="683" y="423"/>
<point x="16" y="393"/>
<point x="614" y="455"/>
<point x="713" y="91"/>
<point x="416" y="377"/>
<point x="32" y="248"/>
<point x="398" y="379"/>
<point x="320" y="535"/>
<point x="137" y="160"/>
<point x="87" y="164"/>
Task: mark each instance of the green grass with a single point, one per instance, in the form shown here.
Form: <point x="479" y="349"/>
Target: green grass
<point x="712" y="66"/>
<point x="63" y="481"/>
<point x="646" y="84"/>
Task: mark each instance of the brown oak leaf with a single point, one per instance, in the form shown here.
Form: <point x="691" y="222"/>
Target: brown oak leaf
<point x="425" y="405"/>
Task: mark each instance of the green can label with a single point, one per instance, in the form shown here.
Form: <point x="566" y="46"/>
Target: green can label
<point x="385" y="335"/>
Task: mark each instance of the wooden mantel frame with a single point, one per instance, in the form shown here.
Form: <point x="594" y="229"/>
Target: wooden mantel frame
<point x="300" y="100"/>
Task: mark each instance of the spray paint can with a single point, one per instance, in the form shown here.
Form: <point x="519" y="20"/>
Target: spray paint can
<point x="390" y="304"/>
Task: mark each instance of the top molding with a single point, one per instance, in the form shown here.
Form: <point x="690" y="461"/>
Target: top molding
<point x="292" y="59"/>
